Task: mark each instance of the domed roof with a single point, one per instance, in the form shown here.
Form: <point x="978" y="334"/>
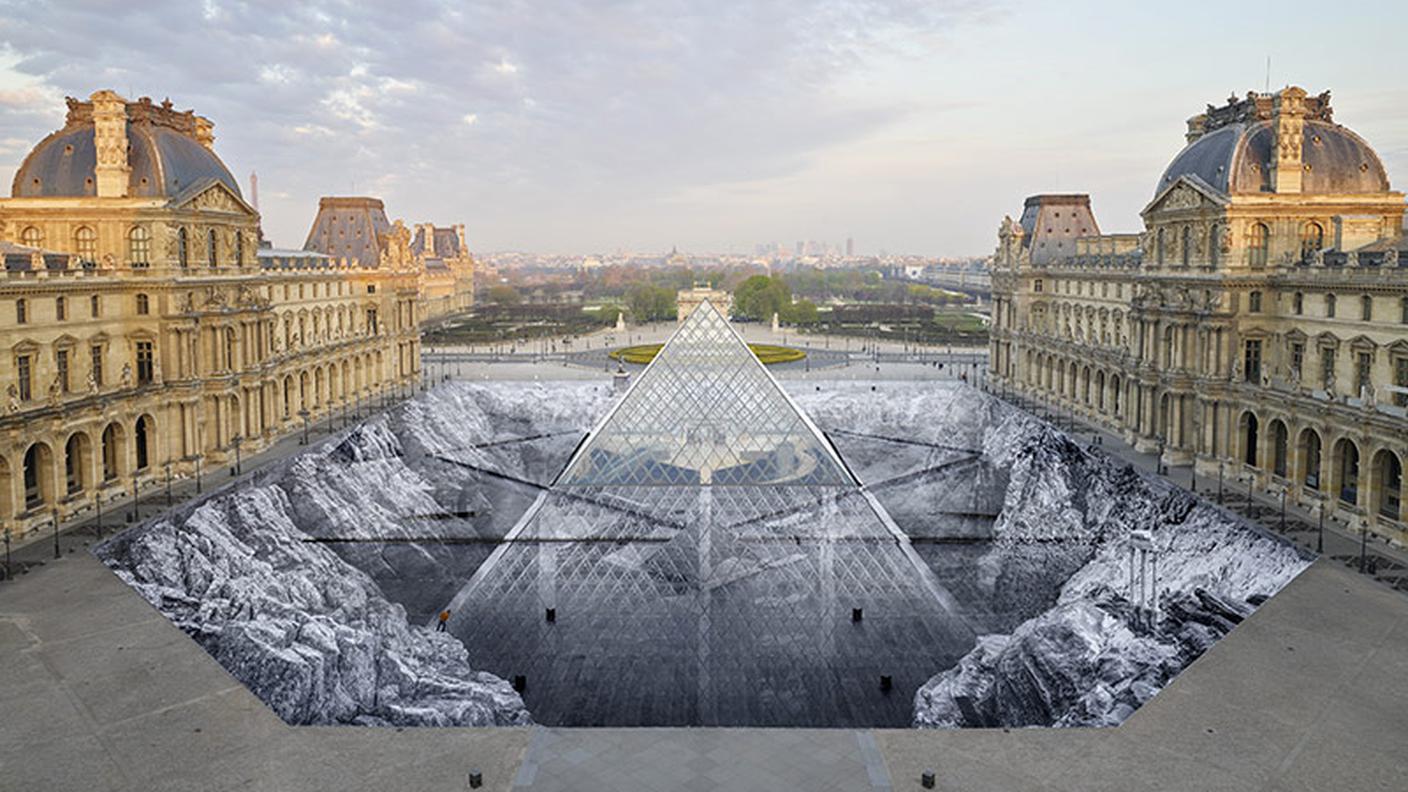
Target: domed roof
<point x="1237" y="158"/>
<point x="164" y="162"/>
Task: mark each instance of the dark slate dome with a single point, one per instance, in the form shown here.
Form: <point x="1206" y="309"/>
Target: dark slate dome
<point x="164" y="162"/>
<point x="1237" y="159"/>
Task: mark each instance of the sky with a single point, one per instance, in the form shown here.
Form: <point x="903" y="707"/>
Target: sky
<point x="596" y="126"/>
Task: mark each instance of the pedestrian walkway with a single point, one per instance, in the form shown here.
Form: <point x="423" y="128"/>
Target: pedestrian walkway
<point x="728" y="760"/>
<point x="1237" y="491"/>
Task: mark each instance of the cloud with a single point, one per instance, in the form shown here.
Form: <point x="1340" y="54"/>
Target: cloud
<point x="599" y="110"/>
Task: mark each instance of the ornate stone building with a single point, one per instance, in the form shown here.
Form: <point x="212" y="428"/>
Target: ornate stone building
<point x="356" y="227"/>
<point x="1257" y="326"/>
<point x="146" y="332"/>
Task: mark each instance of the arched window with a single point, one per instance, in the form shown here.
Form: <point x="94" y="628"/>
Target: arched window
<point x="183" y="248"/>
<point x="212" y="247"/>
<point x="31" y="236"/>
<point x="143" y="305"/>
<point x="1366" y="308"/>
<point x="1330" y="306"/>
<point x="1213" y="245"/>
<point x="1258" y="241"/>
<point x="1185" y="247"/>
<point x="1312" y="240"/>
<point x="85" y="244"/>
<point x="21" y="311"/>
<point x="139" y="246"/>
<point x="140" y="437"/>
<point x="1298" y="303"/>
<point x="60" y="309"/>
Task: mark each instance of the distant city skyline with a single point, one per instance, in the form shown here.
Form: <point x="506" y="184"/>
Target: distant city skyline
<point x="907" y="127"/>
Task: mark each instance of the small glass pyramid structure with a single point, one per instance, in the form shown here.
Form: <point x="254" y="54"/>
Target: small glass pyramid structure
<point x="705" y="412"/>
<point x="700" y="561"/>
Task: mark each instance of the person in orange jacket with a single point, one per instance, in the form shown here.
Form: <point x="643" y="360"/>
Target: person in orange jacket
<point x="444" y="617"/>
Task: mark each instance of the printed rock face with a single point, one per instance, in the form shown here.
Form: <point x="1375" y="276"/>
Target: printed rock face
<point x="987" y="554"/>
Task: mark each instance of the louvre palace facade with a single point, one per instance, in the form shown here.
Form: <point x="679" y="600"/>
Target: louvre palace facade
<point x="1256" y="327"/>
<point x="147" y="332"/>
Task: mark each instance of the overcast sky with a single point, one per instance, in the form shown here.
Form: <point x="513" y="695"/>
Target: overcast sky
<point x="599" y="125"/>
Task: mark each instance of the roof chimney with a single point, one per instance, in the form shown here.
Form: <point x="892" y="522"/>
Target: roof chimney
<point x="205" y="132"/>
<point x="1288" y="124"/>
<point x="110" y="140"/>
<point x="1197" y="125"/>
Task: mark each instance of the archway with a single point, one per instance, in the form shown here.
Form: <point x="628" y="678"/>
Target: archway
<point x="38" y="476"/>
<point x="113" y="451"/>
<point x="1387" y="488"/>
<point x="142" y="441"/>
<point x="77" y="453"/>
<point x="1280" y="441"/>
<point x="1248" y="426"/>
<point x="1346" y="471"/>
<point x="1309" y="453"/>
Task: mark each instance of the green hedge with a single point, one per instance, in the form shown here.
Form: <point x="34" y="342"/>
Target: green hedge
<point x="767" y="353"/>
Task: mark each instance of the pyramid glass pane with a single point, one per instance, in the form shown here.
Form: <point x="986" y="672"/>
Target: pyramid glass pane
<point x="702" y="555"/>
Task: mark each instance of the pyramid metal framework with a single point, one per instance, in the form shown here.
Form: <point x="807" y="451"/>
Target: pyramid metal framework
<point x="699" y="561"/>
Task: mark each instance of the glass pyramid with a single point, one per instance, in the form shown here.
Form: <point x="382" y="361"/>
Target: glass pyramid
<point x="699" y="561"/>
<point x="705" y="411"/>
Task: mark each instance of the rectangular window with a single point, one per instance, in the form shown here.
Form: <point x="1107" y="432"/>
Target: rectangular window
<point x="95" y="354"/>
<point x="371" y="321"/>
<point x="1366" y="308"/>
<point x="1252" y="358"/>
<point x="60" y="309"/>
<point x="61" y="365"/>
<point x="1327" y="368"/>
<point x="24" y="371"/>
<point x="1330" y="306"/>
<point x="1400" y="378"/>
<point x="1298" y="303"/>
<point x="21" y="312"/>
<point x="1362" y="370"/>
<point x="1254" y="302"/>
<point x="144" y="363"/>
<point x="1297" y="360"/>
<point x="94" y="306"/>
<point x="1036" y="287"/>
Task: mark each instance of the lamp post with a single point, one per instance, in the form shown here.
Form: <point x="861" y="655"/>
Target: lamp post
<point x="8" y="574"/>
<point x="1320" y="536"/>
<point x="1283" y="509"/>
<point x="168" y="483"/>
<point x="303" y="413"/>
<point x="1363" y="544"/>
<point x="1251" y="479"/>
<point x="198" y="458"/>
<point x="56" y="537"/>
<point x="1220" y="468"/>
<point x="136" y="512"/>
<point x="236" y="441"/>
<point x="97" y="510"/>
